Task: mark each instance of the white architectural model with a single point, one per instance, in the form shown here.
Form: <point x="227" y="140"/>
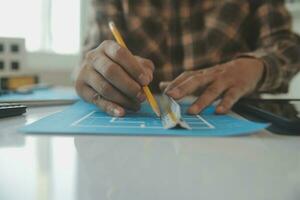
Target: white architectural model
<point x="12" y="55"/>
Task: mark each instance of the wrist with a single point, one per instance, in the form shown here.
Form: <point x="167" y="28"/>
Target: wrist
<point x="259" y="69"/>
<point x="259" y="66"/>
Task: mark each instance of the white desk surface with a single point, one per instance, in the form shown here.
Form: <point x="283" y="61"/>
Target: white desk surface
<point x="262" y="166"/>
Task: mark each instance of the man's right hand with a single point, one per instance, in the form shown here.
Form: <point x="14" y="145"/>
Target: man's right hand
<point x="111" y="77"/>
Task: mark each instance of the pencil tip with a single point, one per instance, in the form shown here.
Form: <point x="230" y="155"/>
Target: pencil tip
<point x="111" y="24"/>
<point x="157" y="113"/>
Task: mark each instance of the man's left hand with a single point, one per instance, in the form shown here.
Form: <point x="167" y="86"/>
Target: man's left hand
<point x="229" y="81"/>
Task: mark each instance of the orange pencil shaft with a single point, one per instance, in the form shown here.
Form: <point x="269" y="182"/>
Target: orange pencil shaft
<point x="152" y="101"/>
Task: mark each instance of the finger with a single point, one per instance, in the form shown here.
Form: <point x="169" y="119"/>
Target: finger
<point x="106" y="90"/>
<point x="144" y="62"/>
<point x="163" y="85"/>
<point x="147" y="65"/>
<point x="191" y="84"/>
<point x="88" y="94"/>
<point x="115" y="74"/>
<point x="127" y="61"/>
<point x="177" y="81"/>
<point x="209" y="95"/>
<point x="109" y="107"/>
<point x="229" y="99"/>
<point x="84" y="91"/>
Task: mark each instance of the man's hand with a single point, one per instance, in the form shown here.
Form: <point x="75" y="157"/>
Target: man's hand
<point x="112" y="78"/>
<point x="230" y="81"/>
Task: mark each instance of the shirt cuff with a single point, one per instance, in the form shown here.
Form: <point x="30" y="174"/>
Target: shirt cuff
<point x="271" y="81"/>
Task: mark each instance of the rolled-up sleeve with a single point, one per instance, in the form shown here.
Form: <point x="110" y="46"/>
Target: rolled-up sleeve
<point x="277" y="46"/>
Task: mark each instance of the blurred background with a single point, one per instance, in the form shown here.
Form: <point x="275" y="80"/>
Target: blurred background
<point x="54" y="37"/>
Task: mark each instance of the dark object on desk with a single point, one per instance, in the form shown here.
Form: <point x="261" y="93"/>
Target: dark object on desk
<point x="9" y="109"/>
<point x="283" y="114"/>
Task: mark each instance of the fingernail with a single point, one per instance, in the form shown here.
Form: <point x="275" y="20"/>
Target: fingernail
<point x="220" y="109"/>
<point x="161" y="84"/>
<point x="144" y="79"/>
<point x="192" y="110"/>
<point x="117" y="112"/>
<point x="141" y="96"/>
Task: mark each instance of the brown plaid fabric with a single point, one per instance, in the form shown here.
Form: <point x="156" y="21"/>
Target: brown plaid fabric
<point x="180" y="35"/>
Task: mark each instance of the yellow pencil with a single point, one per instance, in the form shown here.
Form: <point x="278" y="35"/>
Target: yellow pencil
<point x="150" y="97"/>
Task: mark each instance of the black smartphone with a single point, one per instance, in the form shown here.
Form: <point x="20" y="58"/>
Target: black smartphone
<point x="283" y="114"/>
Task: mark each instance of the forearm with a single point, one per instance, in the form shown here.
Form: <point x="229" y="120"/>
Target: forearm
<point x="281" y="58"/>
<point x="276" y="46"/>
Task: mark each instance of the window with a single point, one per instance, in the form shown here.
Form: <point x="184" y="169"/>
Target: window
<point x="294" y="8"/>
<point x="47" y="25"/>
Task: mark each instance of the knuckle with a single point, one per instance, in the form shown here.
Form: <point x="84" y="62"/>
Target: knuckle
<point x="83" y="68"/>
<point x="231" y="96"/>
<point x="93" y="78"/>
<point x="199" y="74"/>
<point x="219" y="70"/>
<point x="97" y="101"/>
<point x="195" y="77"/>
<point x="90" y="56"/>
<point x="205" y="101"/>
<point x="105" y="44"/>
<point x="213" y="90"/>
<point x="109" y="70"/>
<point x="105" y="89"/>
<point x="149" y="63"/>
<point x="117" y="51"/>
<point x="134" y="90"/>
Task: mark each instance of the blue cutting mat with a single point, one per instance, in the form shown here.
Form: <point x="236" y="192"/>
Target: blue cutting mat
<point x="83" y="118"/>
<point x="50" y="94"/>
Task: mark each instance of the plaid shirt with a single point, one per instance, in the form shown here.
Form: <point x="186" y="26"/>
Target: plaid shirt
<point x="180" y="35"/>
